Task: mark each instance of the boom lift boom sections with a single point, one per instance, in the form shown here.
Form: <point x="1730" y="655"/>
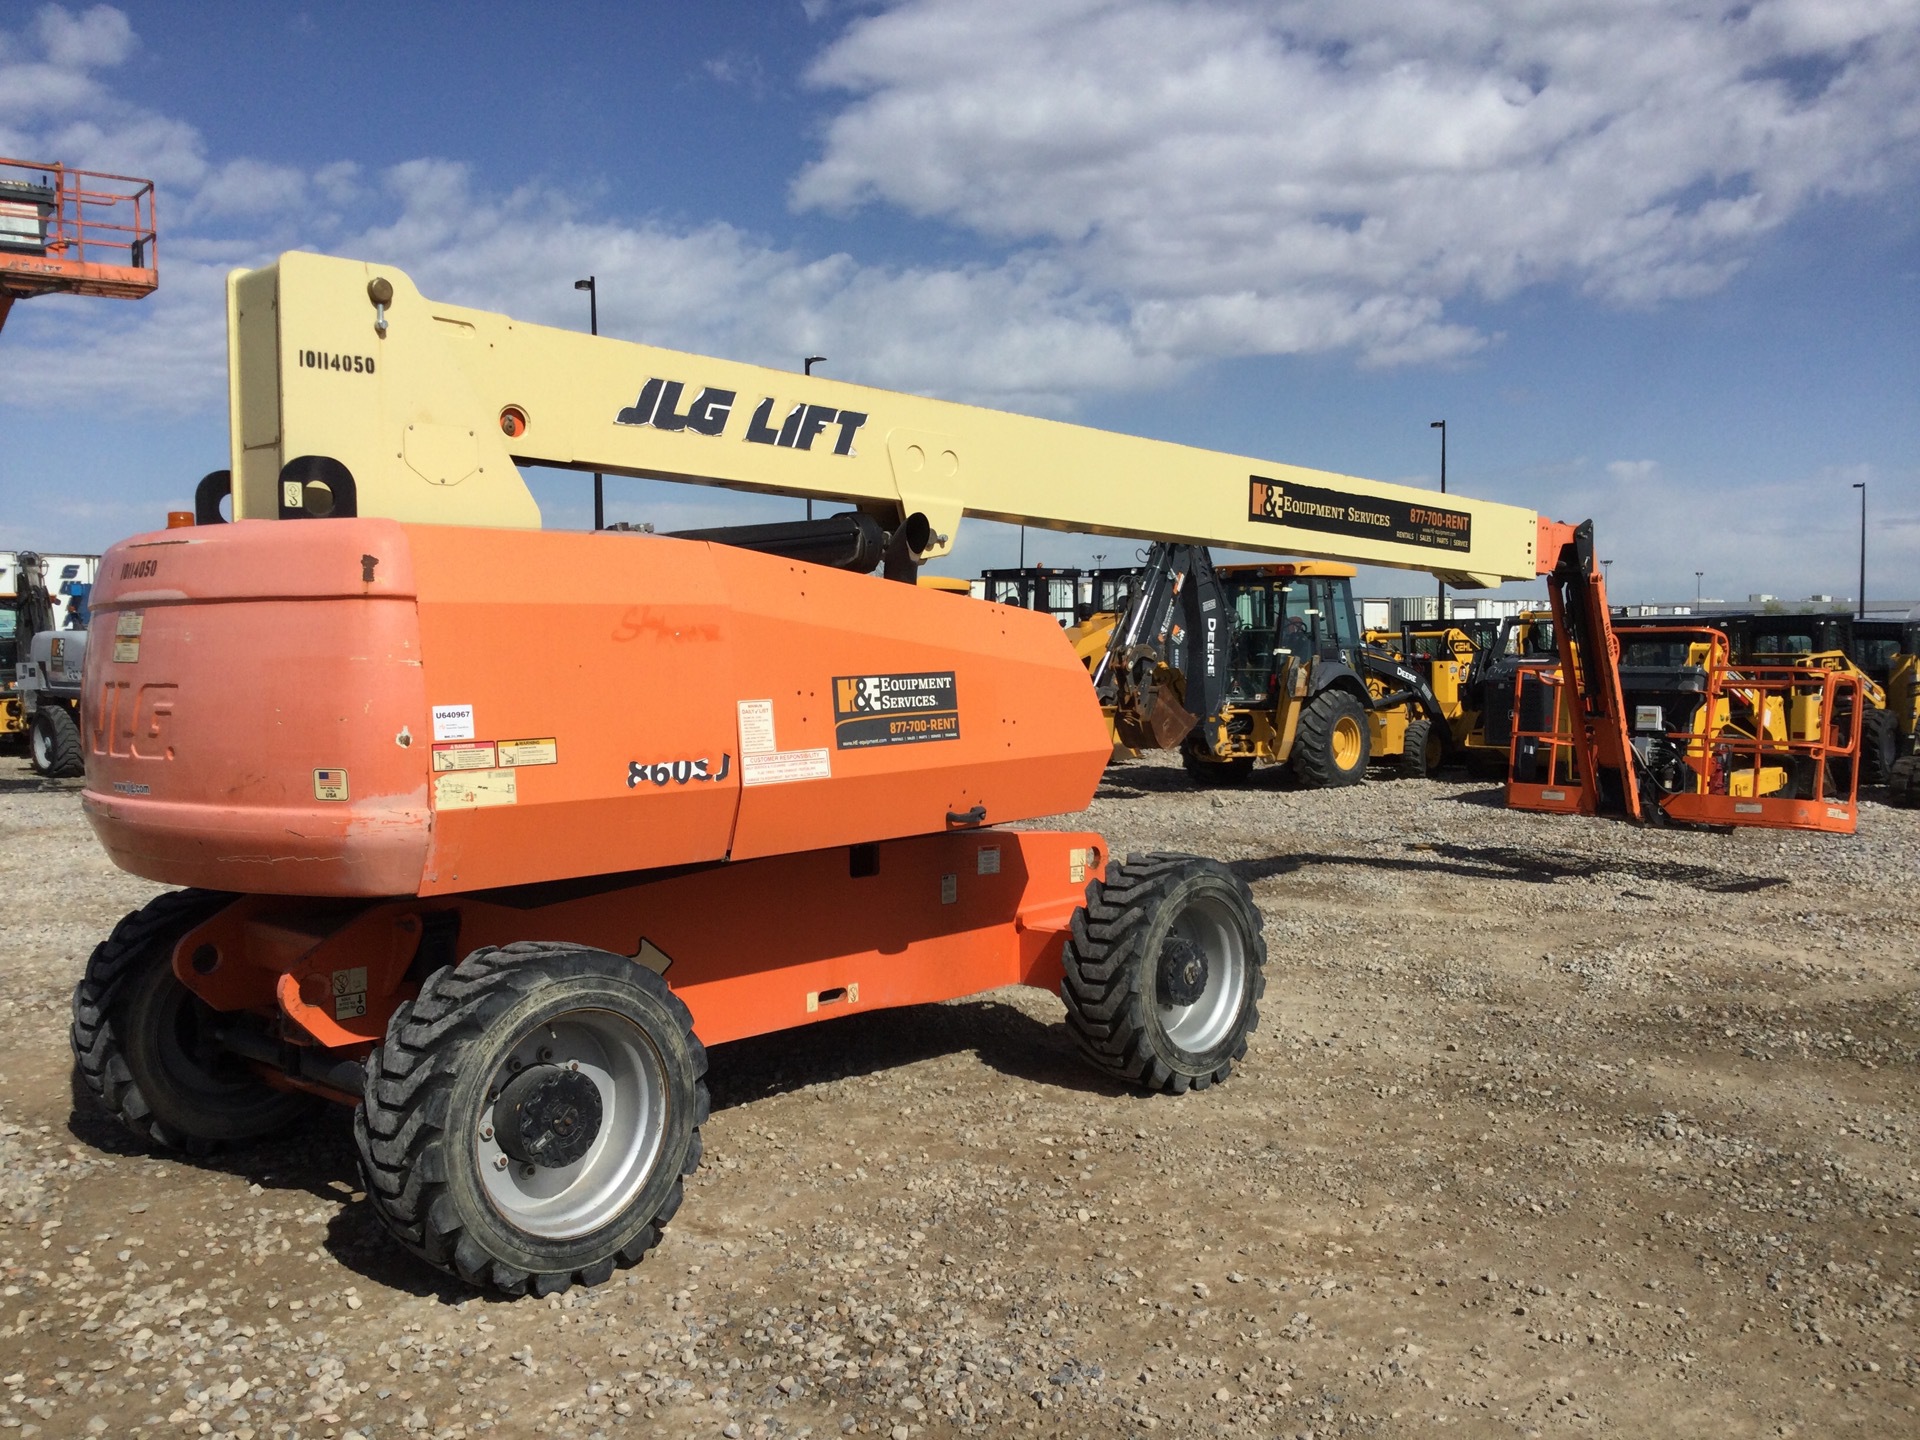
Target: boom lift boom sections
<point x="430" y="406"/>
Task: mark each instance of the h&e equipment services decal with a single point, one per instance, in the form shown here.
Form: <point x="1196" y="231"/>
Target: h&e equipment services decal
<point x="1308" y="507"/>
<point x="894" y="709"/>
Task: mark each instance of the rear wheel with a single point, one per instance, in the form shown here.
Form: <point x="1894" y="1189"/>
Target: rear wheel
<point x="1206" y="769"/>
<point x="528" y="1119"/>
<point x="144" y="1043"/>
<point x="56" y="743"/>
<point x="1165" y="966"/>
<point x="1330" y="746"/>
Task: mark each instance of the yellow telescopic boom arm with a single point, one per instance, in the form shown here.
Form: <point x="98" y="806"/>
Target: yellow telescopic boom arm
<point x="429" y="407"/>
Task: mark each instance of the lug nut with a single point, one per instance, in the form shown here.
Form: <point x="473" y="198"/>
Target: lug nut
<point x="486" y="1132"/>
<point x="546" y="1052"/>
<point x="499" y="1162"/>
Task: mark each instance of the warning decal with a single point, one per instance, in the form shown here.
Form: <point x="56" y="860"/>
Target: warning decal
<point x="1307" y="507"/>
<point x="894" y="709"/>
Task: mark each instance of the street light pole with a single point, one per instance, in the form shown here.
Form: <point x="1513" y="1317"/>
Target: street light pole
<point x="1861" y="486"/>
<point x="1698" y="575"/>
<point x="593" y="325"/>
<point x="1441" y="426"/>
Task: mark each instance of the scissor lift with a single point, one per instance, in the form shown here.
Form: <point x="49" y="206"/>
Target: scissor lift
<point x="74" y="232"/>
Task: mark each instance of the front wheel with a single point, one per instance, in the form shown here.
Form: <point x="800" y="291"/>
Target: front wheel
<point x="55" y="749"/>
<point x="1330" y="746"/>
<point x="1879" y="746"/>
<point x="527" y="1121"/>
<point x="1903" y="781"/>
<point x="1165" y="967"/>
<point x="1424" y="749"/>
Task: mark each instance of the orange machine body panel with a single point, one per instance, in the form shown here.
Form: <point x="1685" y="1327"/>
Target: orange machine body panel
<point x="357" y="707"/>
<point x="753" y="947"/>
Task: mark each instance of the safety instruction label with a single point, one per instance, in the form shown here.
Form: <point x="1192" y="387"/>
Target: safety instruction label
<point x="756" y="727"/>
<point x="518" y="753"/>
<point x="126" y="651"/>
<point x="475" y="789"/>
<point x="895" y="709"/>
<point x="1371" y="517"/>
<point x="130" y="624"/>
<point x="780" y="767"/>
<point x="464" y="755"/>
<point x="350" y="993"/>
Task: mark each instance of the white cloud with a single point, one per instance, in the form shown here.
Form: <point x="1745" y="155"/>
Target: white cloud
<point x="1154" y="185"/>
<point x="1303" y="175"/>
<point x="1633" y="472"/>
<point x="100" y="36"/>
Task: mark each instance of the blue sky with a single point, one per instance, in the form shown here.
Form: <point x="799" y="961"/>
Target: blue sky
<point x="1655" y="263"/>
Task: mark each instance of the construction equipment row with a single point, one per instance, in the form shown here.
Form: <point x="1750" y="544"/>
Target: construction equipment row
<point x="496" y="868"/>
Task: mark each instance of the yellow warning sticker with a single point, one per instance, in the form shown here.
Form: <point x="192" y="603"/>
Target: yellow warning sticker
<point x="516" y="753"/>
<point x="126" y="651"/>
<point x="474" y="789"/>
<point x="1076" y="866"/>
<point x="465" y="755"/>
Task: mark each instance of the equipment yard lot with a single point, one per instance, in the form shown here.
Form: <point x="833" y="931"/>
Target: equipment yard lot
<point x="1551" y="1125"/>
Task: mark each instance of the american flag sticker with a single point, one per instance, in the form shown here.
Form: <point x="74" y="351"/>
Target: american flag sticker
<point x="329" y="784"/>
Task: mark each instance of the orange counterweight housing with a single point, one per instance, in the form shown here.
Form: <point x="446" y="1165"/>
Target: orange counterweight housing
<point x="357" y="707"/>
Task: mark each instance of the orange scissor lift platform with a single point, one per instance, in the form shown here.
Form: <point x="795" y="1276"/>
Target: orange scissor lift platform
<point x="74" y="232"/>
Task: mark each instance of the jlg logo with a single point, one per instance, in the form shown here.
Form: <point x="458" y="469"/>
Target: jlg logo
<point x="709" y="412"/>
<point x="131" y="722"/>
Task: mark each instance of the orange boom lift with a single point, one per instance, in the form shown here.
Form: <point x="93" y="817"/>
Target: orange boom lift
<point x="494" y="864"/>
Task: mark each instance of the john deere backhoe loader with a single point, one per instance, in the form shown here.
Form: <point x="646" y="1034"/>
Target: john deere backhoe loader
<point x="1238" y="664"/>
<point x="494" y="869"/>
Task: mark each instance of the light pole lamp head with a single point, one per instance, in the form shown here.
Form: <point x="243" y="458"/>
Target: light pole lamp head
<point x="586" y="284"/>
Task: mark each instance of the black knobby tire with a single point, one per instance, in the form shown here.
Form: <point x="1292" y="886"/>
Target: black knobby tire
<point x="1879" y="746"/>
<point x="425" y="1129"/>
<point x="1326" y="751"/>
<point x="1146" y="918"/>
<point x="141" y="1040"/>
<point x="1422" y="750"/>
<point x="1903" y="782"/>
<point x="55" y="750"/>
<point x="1207" y="770"/>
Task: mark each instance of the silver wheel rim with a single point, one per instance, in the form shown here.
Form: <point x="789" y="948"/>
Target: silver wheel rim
<point x="1209" y="923"/>
<point x="627" y="1068"/>
<point x="42" y="748"/>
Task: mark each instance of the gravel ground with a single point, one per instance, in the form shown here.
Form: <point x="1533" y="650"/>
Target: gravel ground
<point x="1551" y="1126"/>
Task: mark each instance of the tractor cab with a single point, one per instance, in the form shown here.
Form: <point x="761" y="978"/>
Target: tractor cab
<point x="1285" y="615"/>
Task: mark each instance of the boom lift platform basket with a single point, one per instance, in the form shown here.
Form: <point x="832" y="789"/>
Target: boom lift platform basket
<point x="74" y="232"/>
<point x="1769" y="745"/>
